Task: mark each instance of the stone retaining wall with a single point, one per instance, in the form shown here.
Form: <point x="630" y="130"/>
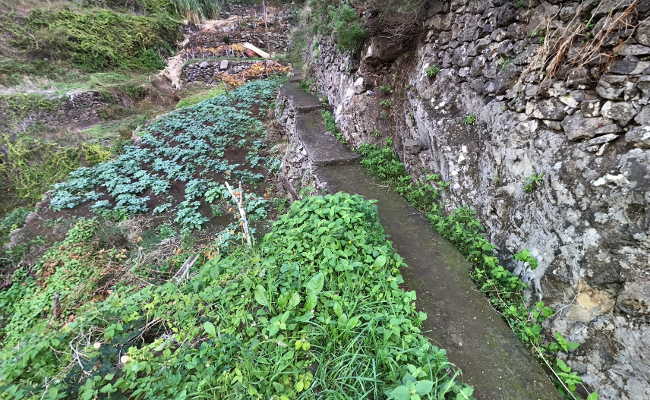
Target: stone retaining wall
<point x="208" y="71"/>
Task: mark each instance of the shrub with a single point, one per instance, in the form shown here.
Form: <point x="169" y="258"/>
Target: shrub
<point x="13" y="220"/>
<point x="346" y="25"/>
<point x="31" y="166"/>
<point x="195" y="10"/>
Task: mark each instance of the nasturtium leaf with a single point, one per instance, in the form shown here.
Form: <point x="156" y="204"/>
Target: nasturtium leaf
<point x="563" y="366"/>
<point x="310" y="303"/>
<point x="338" y="310"/>
<point x="423" y="387"/>
<point x="315" y="284"/>
<point x="400" y="393"/>
<point x="465" y="393"/>
<point x="381" y="261"/>
<point x="294" y="300"/>
<point x="260" y="295"/>
<point x="210" y="329"/>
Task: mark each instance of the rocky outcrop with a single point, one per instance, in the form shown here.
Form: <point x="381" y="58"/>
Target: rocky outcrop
<point x="555" y="161"/>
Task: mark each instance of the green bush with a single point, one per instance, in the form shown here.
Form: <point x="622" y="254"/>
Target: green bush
<point x="31" y="166"/>
<point x="13" y="220"/>
<point x="346" y="25"/>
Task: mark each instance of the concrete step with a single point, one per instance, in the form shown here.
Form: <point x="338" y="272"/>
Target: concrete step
<point x="301" y="100"/>
<point x="321" y="146"/>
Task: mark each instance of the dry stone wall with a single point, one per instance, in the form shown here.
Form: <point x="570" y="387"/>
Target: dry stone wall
<point x="74" y="110"/>
<point x="490" y="123"/>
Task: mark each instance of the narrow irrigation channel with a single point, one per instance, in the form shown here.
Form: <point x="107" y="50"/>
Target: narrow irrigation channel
<point x="460" y="319"/>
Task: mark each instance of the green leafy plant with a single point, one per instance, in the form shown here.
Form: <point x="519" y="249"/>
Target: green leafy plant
<point x="432" y="71"/>
<point x="504" y="62"/>
<point x="470" y="119"/>
<point x="330" y="126"/>
<point x="183" y="148"/>
<point x="386" y="103"/>
<point x="316" y="309"/>
<point x="386" y="89"/>
<point x="527" y="257"/>
<point x="533" y="182"/>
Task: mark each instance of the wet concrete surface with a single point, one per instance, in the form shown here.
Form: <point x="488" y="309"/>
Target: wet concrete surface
<point x="303" y="101"/>
<point x="322" y="148"/>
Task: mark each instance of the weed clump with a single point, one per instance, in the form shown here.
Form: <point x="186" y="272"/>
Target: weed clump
<point x="31" y="166"/>
<point x="432" y="71"/>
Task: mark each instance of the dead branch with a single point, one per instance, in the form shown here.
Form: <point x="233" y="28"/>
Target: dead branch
<point x="184" y="270"/>
<point x="238" y="199"/>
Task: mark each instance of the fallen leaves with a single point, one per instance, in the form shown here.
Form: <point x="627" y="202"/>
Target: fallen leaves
<point x="257" y="70"/>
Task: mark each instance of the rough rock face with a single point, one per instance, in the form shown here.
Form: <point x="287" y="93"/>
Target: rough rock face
<point x="584" y="135"/>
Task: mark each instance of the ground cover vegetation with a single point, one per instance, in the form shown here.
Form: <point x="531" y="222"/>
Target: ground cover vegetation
<point x="504" y="289"/>
<point x="182" y="161"/>
<point x="98" y="39"/>
<point x="37" y="149"/>
<point x="314" y="310"/>
<point x="29" y="167"/>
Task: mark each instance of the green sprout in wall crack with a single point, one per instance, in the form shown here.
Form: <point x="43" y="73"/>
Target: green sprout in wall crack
<point x="432" y="71"/>
<point x="533" y="182"/>
<point x="386" y="89"/>
<point x="470" y="119"/>
<point x="504" y="62"/>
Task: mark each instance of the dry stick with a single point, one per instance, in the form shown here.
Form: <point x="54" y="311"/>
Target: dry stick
<point x="541" y="355"/>
<point x="238" y="199"/>
<point x="184" y="271"/>
<point x="610" y="25"/>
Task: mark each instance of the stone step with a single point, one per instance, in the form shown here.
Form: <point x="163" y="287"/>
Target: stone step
<point x="301" y="100"/>
<point x="322" y="148"/>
